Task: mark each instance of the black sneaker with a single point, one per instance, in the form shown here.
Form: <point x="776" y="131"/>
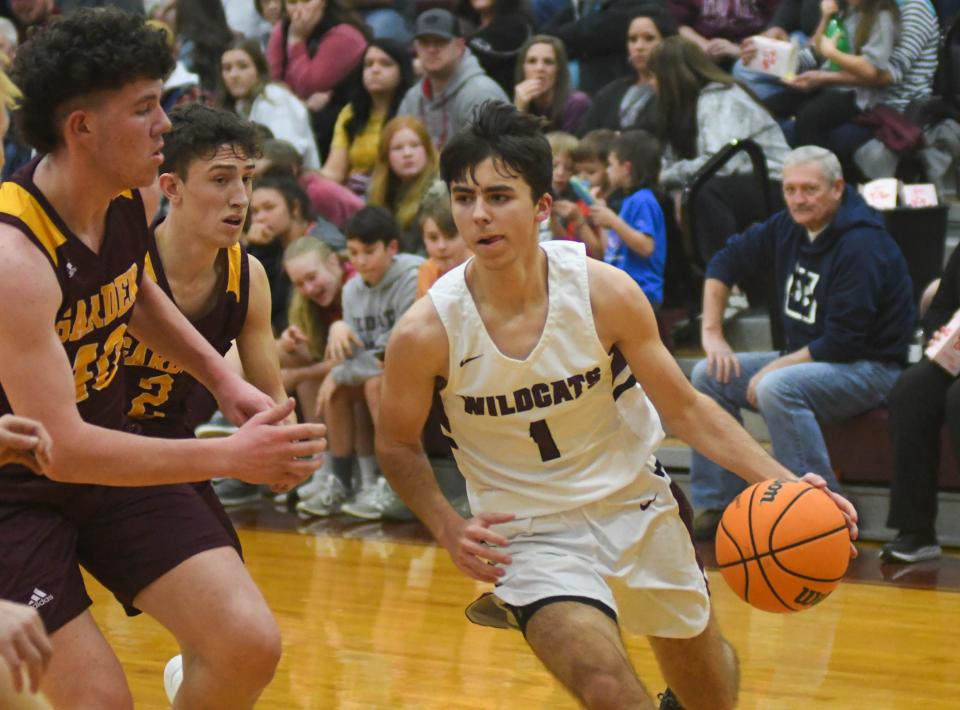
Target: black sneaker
<point x="705" y="524"/>
<point x="668" y="701"/>
<point x="911" y="547"/>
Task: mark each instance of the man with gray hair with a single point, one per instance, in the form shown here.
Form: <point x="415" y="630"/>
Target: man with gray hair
<point x="845" y="301"/>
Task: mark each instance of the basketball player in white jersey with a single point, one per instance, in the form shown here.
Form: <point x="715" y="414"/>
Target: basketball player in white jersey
<point x="545" y="361"/>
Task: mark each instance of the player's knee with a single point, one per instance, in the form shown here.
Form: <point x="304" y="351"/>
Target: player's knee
<point x="247" y="653"/>
<point x="601" y="689"/>
<point x="262" y="648"/>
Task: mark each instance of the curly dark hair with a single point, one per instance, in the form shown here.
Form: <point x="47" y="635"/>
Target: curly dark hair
<point x="87" y="51"/>
<point x="512" y="138"/>
<point x="199" y="131"/>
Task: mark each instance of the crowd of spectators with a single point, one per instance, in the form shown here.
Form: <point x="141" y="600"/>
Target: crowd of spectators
<point x="355" y="101"/>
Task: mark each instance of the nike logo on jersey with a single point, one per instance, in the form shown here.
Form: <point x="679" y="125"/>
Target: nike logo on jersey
<point x="469" y="359"/>
<point x="647" y="503"/>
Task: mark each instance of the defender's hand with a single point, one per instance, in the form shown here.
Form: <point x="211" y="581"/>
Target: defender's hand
<point x="24" y="644"/>
<point x="267" y="450"/>
<point x="25" y="442"/>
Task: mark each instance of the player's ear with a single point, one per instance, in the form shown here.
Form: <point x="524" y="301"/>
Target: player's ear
<point x="393" y="246"/>
<point x="544" y="207"/>
<point x="77" y="125"/>
<point x="171" y="186"/>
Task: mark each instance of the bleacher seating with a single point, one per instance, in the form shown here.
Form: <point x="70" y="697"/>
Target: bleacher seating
<point x="861" y="454"/>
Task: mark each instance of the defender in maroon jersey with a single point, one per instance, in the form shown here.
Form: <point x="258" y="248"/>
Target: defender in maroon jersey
<point x="73" y="233"/>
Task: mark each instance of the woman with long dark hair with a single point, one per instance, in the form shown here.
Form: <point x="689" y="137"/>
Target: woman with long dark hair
<point x="387" y="74"/>
<point x="630" y="101"/>
<point x="700" y="109"/>
<point x="543" y="85"/>
<point x="313" y="50"/>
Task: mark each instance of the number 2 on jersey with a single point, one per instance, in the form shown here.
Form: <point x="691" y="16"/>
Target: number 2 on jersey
<point x="540" y="433"/>
<point x="150" y="396"/>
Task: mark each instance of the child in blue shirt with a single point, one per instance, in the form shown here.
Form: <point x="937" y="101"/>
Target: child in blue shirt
<point x="637" y="236"/>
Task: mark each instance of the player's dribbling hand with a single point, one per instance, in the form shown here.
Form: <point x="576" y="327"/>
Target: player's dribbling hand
<point x="266" y="450"/>
<point x="473" y="548"/>
<point x="25" y="442"/>
<point x="24" y="644"/>
<point x="845" y="506"/>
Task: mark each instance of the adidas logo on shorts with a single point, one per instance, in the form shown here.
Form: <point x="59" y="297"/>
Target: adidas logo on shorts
<point x="39" y="598"/>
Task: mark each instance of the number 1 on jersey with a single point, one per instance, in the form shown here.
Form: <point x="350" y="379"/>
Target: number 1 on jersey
<point x="540" y="433"/>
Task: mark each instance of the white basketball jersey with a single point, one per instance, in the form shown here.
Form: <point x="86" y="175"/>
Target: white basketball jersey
<point x="565" y="427"/>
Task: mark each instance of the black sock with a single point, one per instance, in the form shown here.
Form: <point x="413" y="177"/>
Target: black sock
<point x="343" y="470"/>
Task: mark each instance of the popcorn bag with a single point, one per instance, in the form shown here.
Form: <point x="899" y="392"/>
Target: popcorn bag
<point x="774" y="57"/>
<point x="945" y="351"/>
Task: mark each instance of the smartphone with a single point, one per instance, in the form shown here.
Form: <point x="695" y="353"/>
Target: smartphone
<point x="581" y="189"/>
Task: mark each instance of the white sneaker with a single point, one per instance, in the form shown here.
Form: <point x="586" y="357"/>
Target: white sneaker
<point x="173" y="676"/>
<point x="373" y="503"/>
<point x="313" y="485"/>
<point x="305" y="490"/>
<point x="328" y="498"/>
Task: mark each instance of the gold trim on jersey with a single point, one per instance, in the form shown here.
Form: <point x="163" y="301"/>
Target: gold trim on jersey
<point x="16" y="201"/>
<point x="234" y="269"/>
<point x="148" y="269"/>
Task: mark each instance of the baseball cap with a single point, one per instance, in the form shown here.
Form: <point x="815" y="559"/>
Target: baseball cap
<point x="437" y="22"/>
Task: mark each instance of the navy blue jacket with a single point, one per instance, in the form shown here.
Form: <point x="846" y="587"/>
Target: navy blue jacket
<point x="847" y="295"/>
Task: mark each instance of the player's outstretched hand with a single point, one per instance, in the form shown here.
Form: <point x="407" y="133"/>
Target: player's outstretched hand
<point x="24" y="644"/>
<point x="473" y="547"/>
<point x="25" y="442"/>
<point x="845" y="506"/>
<point x="239" y="400"/>
<point x="267" y="450"/>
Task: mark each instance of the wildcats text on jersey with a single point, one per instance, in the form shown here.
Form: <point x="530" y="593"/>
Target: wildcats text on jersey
<point x="537" y="396"/>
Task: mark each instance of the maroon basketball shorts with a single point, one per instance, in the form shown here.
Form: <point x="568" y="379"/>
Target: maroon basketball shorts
<point x="125" y="537"/>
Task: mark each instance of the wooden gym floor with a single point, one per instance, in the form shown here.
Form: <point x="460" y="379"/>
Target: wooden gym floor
<point x="372" y="617"/>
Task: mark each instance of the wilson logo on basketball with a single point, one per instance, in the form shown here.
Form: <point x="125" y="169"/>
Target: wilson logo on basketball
<point x="809" y="597"/>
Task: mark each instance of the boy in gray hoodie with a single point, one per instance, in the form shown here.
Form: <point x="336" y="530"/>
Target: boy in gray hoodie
<point x="384" y="287"/>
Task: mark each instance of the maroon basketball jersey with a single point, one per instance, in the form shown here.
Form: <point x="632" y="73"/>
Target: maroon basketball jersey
<point x="99" y="290"/>
<point x="162" y="399"/>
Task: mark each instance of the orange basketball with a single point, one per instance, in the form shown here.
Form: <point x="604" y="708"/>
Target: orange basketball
<point x="782" y="545"/>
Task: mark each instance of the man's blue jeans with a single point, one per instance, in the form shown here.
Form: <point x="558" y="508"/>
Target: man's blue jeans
<point x="793" y="401"/>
